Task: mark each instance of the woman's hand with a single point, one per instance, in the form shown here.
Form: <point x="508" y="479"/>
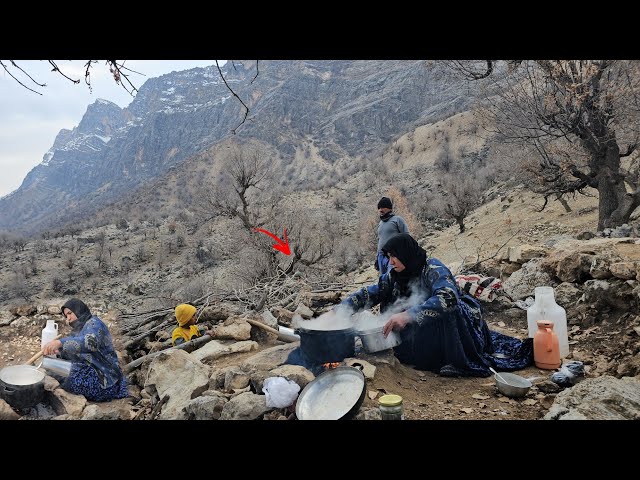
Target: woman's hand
<point x="52" y="347"/>
<point x="396" y="322"/>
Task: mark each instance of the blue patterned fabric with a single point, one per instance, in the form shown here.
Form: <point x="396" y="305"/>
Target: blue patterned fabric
<point x="84" y="380"/>
<point x="95" y="363"/>
<point x="447" y="328"/>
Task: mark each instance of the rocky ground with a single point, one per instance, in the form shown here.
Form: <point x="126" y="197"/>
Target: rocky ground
<point x="596" y="281"/>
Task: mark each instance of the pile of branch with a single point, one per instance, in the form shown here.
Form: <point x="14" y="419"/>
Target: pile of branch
<point x="282" y="290"/>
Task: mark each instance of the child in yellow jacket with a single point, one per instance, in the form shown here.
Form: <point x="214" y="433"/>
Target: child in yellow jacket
<point x="186" y="329"/>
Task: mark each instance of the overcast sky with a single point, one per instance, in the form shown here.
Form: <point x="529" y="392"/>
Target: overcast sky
<point x="30" y="122"/>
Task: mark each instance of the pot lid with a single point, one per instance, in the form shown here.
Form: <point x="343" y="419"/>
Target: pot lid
<point x="390" y="400"/>
<point x="331" y="395"/>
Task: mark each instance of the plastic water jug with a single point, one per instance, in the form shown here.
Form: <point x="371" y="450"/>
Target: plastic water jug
<point x="546" y="308"/>
<point x="546" y="348"/>
<point x="49" y="332"/>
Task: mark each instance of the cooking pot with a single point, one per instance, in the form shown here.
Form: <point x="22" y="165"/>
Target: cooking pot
<point x="326" y="346"/>
<point x="373" y="340"/>
<point x="336" y="394"/>
<point x="22" y="386"/>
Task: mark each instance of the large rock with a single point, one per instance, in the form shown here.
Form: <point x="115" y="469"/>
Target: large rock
<point x="624" y="270"/>
<point x="234" y="328"/>
<point x="567" y="294"/>
<point x="177" y="374"/>
<point x="246" y="406"/>
<point x="268" y="319"/>
<point x="65" y="403"/>
<point x="108" y="411"/>
<point x="24" y="310"/>
<point x="235" y="379"/>
<point x="283" y="315"/>
<point x="297" y="373"/>
<point x="269" y="358"/>
<point x="601" y="398"/>
<point x="522" y="283"/>
<point x="214" y="349"/>
<point x="6" y="317"/>
<point x="524" y="253"/>
<point x="6" y="412"/>
<point x="206" y="407"/>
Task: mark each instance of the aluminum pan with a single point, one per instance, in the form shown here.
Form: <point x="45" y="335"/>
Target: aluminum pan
<point x="331" y="395"/>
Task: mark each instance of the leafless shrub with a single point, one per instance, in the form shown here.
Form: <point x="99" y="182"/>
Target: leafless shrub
<point x="40" y="246"/>
<point x="69" y="259"/>
<point x="33" y="263"/>
<point x="205" y="254"/>
<point x="126" y="264"/>
<point x="57" y="284"/>
<point x="20" y="287"/>
<point x="19" y="244"/>
<point x="140" y="254"/>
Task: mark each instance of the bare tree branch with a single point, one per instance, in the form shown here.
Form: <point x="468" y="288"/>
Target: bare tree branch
<point x="57" y="69"/>
<point x="257" y="71"/>
<point x="12" y="76"/>
<point x="470" y="71"/>
<point x="246" y="109"/>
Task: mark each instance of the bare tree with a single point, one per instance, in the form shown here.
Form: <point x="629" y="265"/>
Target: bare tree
<point x="239" y="193"/>
<point x="580" y="117"/>
<point x="101" y="240"/>
<point x="461" y="194"/>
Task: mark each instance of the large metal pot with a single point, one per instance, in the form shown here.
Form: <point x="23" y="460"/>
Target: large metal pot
<point x="326" y="346"/>
<point x="373" y="340"/>
<point x="336" y="394"/>
<point x="22" y="386"/>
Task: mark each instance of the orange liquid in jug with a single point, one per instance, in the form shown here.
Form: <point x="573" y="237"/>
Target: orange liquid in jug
<point x="546" y="348"/>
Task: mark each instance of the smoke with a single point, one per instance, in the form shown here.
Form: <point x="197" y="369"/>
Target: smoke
<point x="342" y="317"/>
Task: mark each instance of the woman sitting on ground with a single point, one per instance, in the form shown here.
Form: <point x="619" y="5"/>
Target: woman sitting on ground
<point x="95" y="371"/>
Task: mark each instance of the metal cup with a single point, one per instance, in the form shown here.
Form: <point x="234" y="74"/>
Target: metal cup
<point x="57" y="365"/>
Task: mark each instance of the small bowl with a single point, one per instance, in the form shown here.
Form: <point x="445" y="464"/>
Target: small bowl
<point x="513" y="385"/>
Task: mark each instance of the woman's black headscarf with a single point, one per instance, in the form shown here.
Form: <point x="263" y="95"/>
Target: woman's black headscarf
<point x="80" y="309"/>
<point x="407" y="250"/>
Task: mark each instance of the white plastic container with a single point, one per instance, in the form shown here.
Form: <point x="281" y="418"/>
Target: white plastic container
<point x="546" y="308"/>
<point x="49" y="332"/>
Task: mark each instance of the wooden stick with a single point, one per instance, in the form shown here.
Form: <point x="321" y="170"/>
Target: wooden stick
<point x="281" y="336"/>
<point x="39" y="354"/>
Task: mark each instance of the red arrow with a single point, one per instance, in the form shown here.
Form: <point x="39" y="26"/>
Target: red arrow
<point x="282" y="246"/>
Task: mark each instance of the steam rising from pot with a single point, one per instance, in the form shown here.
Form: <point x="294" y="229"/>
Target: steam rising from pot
<point x="342" y="317"/>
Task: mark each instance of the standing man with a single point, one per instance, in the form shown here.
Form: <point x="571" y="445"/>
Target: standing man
<point x="390" y="225"/>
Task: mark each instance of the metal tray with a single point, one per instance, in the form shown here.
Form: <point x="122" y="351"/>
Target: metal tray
<point x="334" y="395"/>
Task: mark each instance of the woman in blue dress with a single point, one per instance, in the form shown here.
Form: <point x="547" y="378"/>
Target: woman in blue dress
<point x="95" y="371"/>
<point x="442" y="329"/>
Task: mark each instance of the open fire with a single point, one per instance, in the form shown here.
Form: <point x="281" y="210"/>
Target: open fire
<point x="327" y="366"/>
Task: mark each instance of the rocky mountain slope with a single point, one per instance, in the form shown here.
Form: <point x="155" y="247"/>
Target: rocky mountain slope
<point x="340" y="108"/>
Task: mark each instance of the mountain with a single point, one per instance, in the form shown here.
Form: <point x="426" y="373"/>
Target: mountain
<point x="344" y="108"/>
